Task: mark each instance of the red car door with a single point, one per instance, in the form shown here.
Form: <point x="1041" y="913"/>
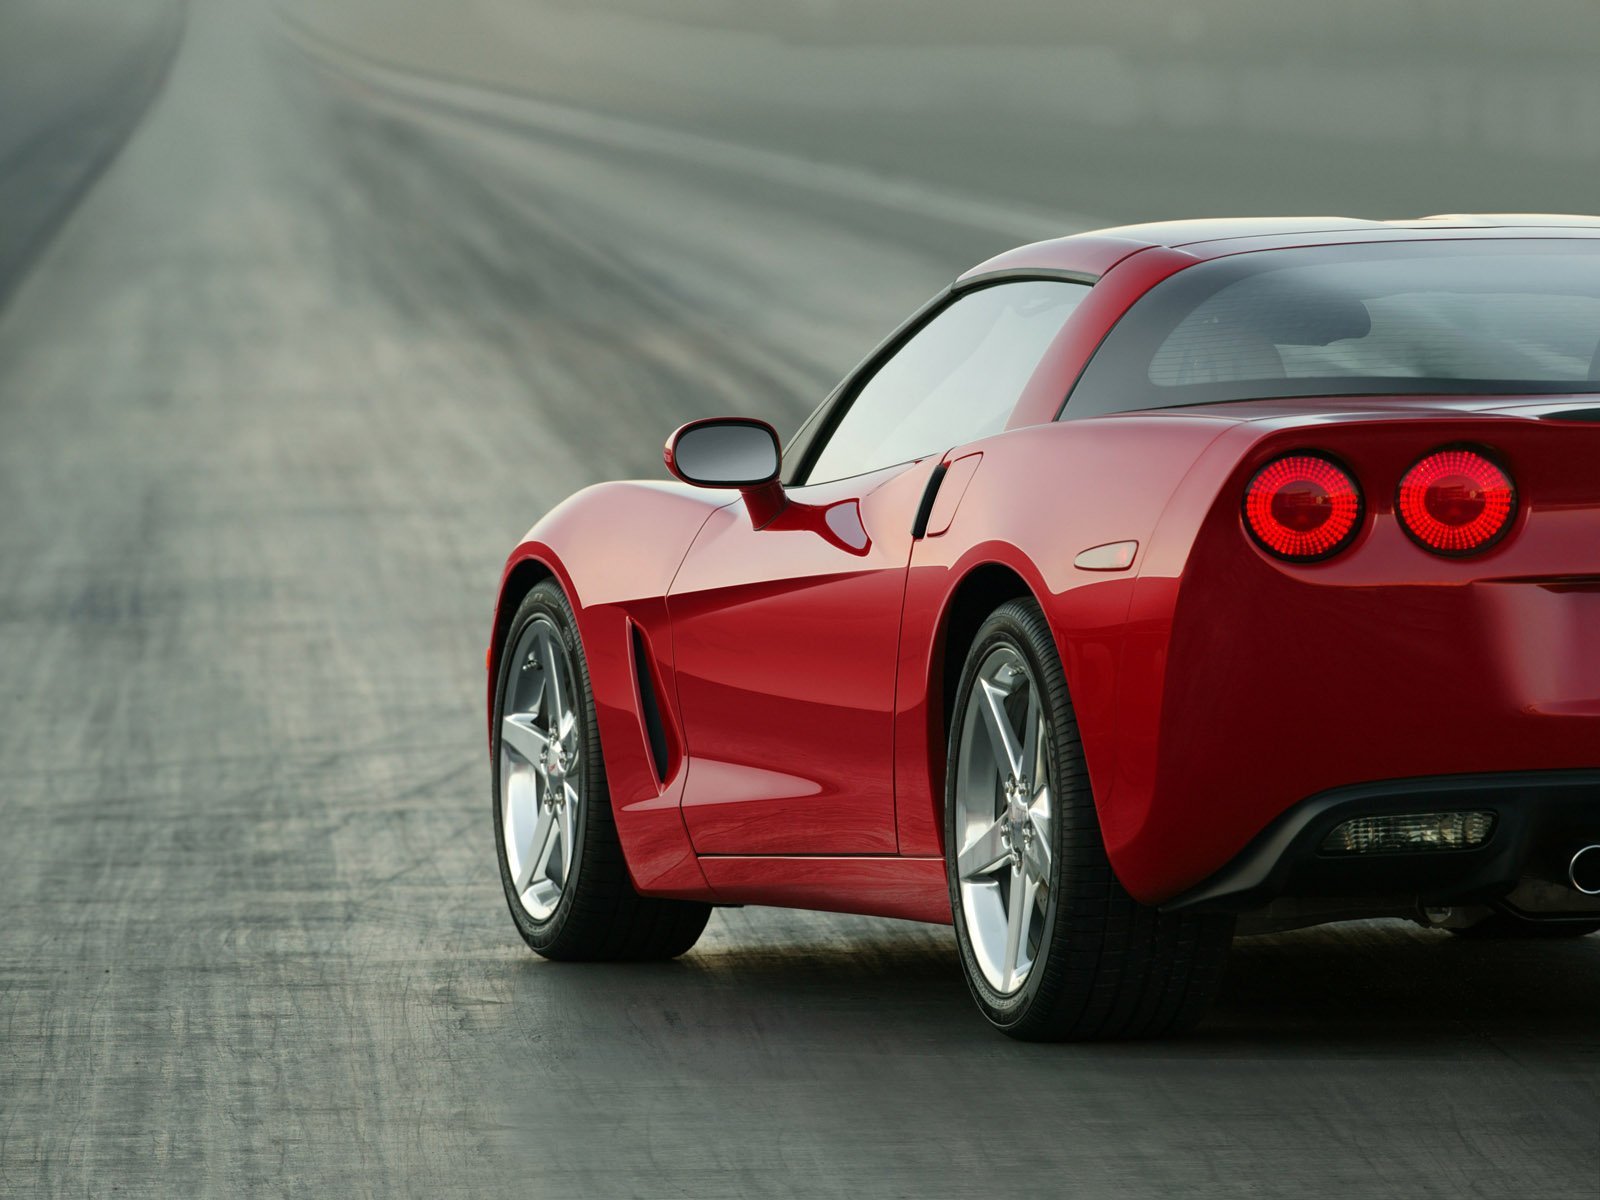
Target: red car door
<point x="785" y="637"/>
<point x="785" y="641"/>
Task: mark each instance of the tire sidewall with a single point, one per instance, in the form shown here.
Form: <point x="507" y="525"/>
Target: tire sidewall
<point x="546" y="600"/>
<point x="1002" y="629"/>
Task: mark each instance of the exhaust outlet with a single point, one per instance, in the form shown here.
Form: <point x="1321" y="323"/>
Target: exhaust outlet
<point x="1584" y="870"/>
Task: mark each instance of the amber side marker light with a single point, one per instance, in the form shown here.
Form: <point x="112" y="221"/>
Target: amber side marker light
<point x="1456" y="501"/>
<point x="1302" y="507"/>
<point x="1113" y="556"/>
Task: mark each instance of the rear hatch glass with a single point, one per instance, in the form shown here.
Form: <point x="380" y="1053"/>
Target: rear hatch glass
<point x="1507" y="317"/>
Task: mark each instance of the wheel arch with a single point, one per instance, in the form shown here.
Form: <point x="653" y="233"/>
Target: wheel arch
<point x="980" y="591"/>
<point x="521" y="577"/>
<point x="1085" y="623"/>
<point x="983" y="586"/>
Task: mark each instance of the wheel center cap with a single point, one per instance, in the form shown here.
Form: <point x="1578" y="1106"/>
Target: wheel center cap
<point x="1014" y="827"/>
<point x="1016" y="811"/>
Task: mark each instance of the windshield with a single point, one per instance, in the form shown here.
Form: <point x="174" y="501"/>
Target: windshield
<point x="1515" y="316"/>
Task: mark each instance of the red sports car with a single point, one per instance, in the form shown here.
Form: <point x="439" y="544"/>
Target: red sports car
<point x="1144" y="585"/>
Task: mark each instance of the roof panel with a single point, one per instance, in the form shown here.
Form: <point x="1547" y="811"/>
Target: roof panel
<point x="1097" y="251"/>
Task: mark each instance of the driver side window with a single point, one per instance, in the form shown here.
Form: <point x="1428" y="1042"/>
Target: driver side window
<point x="956" y="380"/>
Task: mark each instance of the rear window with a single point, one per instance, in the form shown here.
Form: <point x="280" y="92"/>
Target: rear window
<point x="1412" y="319"/>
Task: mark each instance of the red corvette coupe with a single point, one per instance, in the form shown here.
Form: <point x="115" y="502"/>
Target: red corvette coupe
<point x="1145" y="585"/>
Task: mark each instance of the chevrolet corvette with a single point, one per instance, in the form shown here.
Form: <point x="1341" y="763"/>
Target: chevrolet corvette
<point x="1145" y="588"/>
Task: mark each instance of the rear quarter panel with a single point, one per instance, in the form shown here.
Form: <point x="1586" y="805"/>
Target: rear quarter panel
<point x="1039" y="497"/>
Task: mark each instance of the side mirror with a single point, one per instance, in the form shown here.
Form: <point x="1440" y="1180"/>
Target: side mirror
<point x="731" y="452"/>
<point x="724" y="452"/>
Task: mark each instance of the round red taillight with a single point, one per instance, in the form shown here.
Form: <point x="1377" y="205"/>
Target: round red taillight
<point x="1456" y="502"/>
<point x="1302" y="507"/>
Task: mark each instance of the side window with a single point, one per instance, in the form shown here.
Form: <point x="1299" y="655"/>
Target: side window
<point x="956" y="380"/>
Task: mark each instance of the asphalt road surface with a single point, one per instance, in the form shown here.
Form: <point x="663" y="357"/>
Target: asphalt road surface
<point x="275" y="399"/>
<point x="75" y="75"/>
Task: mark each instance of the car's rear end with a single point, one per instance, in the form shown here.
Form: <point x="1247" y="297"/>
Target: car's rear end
<point x="1363" y="666"/>
<point x="1404" y="710"/>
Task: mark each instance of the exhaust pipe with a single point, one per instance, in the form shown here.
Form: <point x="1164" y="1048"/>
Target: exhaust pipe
<point x="1584" y="870"/>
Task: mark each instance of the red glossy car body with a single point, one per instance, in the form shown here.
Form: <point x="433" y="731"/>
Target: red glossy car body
<point x="773" y="701"/>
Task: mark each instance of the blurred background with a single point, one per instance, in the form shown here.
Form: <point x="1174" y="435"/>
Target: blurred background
<point x="308" y="308"/>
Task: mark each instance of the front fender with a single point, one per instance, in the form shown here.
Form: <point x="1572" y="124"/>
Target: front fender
<point x="614" y="548"/>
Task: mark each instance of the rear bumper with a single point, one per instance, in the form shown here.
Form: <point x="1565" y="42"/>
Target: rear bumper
<point x="1541" y="819"/>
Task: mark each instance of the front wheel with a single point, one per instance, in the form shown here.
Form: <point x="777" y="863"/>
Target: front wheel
<point x="1052" y="946"/>
<point x="561" y="863"/>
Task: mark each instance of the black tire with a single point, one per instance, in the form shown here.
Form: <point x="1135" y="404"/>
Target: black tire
<point x="599" y="916"/>
<point x="1499" y="927"/>
<point x="1107" y="966"/>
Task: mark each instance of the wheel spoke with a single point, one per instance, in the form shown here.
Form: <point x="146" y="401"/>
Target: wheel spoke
<point x="568" y="816"/>
<point x="1036" y="859"/>
<point x="1016" y="917"/>
<point x="1031" y="768"/>
<point x="1037" y="856"/>
<point x="1030" y="897"/>
<point x="532" y="854"/>
<point x="555" y="700"/>
<point x="1003" y="739"/>
<point x="983" y="854"/>
<point x="525" y="738"/>
<point x="547" y="848"/>
<point x="518" y="815"/>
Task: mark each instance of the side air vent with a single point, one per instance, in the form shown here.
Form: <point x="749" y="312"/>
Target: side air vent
<point x="649" y="705"/>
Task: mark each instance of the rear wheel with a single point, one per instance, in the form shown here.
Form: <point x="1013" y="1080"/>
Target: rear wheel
<point x="1052" y="946"/>
<point x="560" y="861"/>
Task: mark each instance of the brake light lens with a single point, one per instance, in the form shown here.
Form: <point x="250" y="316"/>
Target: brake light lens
<point x="1303" y="507"/>
<point x="1456" y="502"/>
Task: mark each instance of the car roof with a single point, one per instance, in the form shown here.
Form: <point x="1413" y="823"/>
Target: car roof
<point x="1096" y="251"/>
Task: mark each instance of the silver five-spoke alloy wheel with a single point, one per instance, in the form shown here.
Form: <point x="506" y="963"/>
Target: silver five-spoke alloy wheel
<point x="1002" y="820"/>
<point x="541" y="769"/>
